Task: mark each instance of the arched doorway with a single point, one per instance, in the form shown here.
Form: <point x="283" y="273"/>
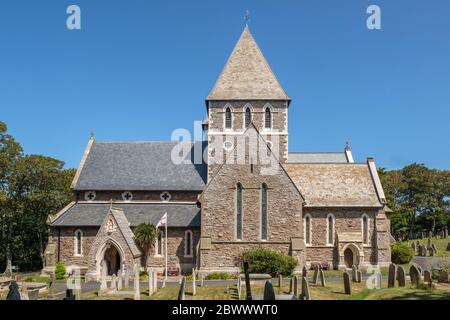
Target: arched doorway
<point x="110" y="257"/>
<point x="348" y="258"/>
<point x="112" y="260"/>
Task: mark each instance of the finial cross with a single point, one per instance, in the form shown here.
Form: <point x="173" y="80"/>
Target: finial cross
<point x="247" y="17"/>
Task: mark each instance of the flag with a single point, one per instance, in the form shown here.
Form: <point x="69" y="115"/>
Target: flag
<point x="162" y="221"/>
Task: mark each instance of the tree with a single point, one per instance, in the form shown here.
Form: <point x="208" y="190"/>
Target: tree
<point x="145" y="235"/>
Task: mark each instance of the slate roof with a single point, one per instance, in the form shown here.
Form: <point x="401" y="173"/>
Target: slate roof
<point x="140" y="166"/>
<point x="317" y="157"/>
<point x="123" y="225"/>
<point x="93" y="214"/>
<point x="247" y="75"/>
<point x="337" y="184"/>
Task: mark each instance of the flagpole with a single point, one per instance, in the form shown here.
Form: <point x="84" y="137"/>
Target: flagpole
<point x="165" y="250"/>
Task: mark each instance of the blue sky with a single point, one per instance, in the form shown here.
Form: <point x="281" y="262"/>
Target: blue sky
<point x="139" y="69"/>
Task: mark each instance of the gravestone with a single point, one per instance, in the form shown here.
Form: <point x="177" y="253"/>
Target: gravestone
<point x="354" y="270"/>
<point x="443" y="276"/>
<point x="247" y="281"/>
<point x="347" y="284"/>
<point x="401" y="276"/>
<point x="155" y="281"/>
<point x="430" y="252"/>
<point x="181" y="291"/>
<point x="433" y="246"/>
<point x="448" y="247"/>
<point x="137" y="290"/>
<point x="113" y="282"/>
<point x="69" y="295"/>
<point x="13" y="293"/>
<point x="446" y="233"/>
<point x="414" y="274"/>
<point x="391" y="275"/>
<point x="316" y="273"/>
<point x="103" y="283"/>
<point x="427" y="276"/>
<point x="295" y="286"/>
<point x="304" y="272"/>
<point x="322" y="277"/>
<point x="119" y="281"/>
<point x="33" y="294"/>
<point x="429" y="243"/>
<point x="280" y="281"/>
<point x="150" y="281"/>
<point x="291" y="286"/>
<point x="430" y="234"/>
<point x="413" y="246"/>
<point x="305" y="289"/>
<point x="358" y="276"/>
<point x="269" y="294"/>
<point x="194" y="286"/>
<point x="127" y="278"/>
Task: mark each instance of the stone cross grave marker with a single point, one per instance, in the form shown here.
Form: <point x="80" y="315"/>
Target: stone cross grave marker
<point x="305" y="289"/>
<point x="322" y="278"/>
<point x="414" y="274"/>
<point x="194" y="286"/>
<point x="391" y="276"/>
<point x="401" y="276"/>
<point x="247" y="281"/>
<point x="181" y="291"/>
<point x="347" y="284"/>
<point x="269" y="294"/>
<point x="295" y="286"/>
<point x="137" y="290"/>
<point x="13" y="293"/>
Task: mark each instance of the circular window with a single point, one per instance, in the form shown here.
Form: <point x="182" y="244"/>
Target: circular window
<point x="228" y="145"/>
<point x="127" y="196"/>
<point x="165" y="196"/>
<point x="90" y="196"/>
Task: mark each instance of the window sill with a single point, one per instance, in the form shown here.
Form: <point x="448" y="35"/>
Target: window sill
<point x="191" y="256"/>
<point x="78" y="255"/>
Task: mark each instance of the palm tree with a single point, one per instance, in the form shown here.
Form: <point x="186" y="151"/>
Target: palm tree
<point x="145" y="235"/>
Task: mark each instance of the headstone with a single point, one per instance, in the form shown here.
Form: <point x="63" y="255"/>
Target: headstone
<point x="443" y="276"/>
<point x="347" y="284"/>
<point x="181" y="291"/>
<point x="401" y="276"/>
<point x="304" y="272"/>
<point x="103" y="283"/>
<point x="322" y="278"/>
<point x="428" y="243"/>
<point x="295" y="286"/>
<point x="427" y="276"/>
<point x="155" y="281"/>
<point x="433" y="246"/>
<point x="194" y="286"/>
<point x="305" y="289"/>
<point x="378" y="279"/>
<point x="430" y="235"/>
<point x="446" y="233"/>
<point x="33" y="294"/>
<point x="448" y="247"/>
<point x="247" y="281"/>
<point x="13" y="293"/>
<point x="414" y="274"/>
<point x="354" y="276"/>
<point x="127" y="278"/>
<point x="119" y="280"/>
<point x="316" y="273"/>
<point x="413" y="246"/>
<point x="150" y="281"/>
<point x="291" y="286"/>
<point x="280" y="281"/>
<point x="391" y="276"/>
<point x="69" y="295"/>
<point x="269" y="294"/>
<point x="113" y="282"/>
<point x="137" y="290"/>
<point x="358" y="276"/>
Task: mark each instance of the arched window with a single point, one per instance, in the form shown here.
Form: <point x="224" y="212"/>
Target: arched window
<point x="159" y="244"/>
<point x="307" y="229"/>
<point x="239" y="211"/>
<point x="264" y="211"/>
<point x="78" y="243"/>
<point x="228" y="119"/>
<point x="188" y="252"/>
<point x="330" y="229"/>
<point x="248" y="117"/>
<point x="267" y="118"/>
<point x="365" y="228"/>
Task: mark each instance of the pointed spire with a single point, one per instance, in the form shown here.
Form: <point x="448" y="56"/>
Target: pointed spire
<point x="247" y="75"/>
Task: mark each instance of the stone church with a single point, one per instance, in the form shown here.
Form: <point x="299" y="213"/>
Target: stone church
<point x="247" y="191"/>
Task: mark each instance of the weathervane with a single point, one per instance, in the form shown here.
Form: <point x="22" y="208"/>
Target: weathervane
<point x="247" y="17"/>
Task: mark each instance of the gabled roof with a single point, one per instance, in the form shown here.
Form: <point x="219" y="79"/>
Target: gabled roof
<point x="84" y="214"/>
<point x="317" y="157"/>
<point x="139" y="165"/>
<point x="335" y="185"/>
<point x="123" y="225"/>
<point x="247" y="75"/>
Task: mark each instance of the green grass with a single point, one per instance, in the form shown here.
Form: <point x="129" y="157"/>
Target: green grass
<point x="441" y="245"/>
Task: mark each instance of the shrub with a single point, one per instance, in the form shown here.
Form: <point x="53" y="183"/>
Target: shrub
<point x="218" y="276"/>
<point x="60" y="271"/>
<point x="263" y="260"/>
<point x="401" y="253"/>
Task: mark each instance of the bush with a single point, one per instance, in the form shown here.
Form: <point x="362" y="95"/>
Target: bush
<point x="218" y="276"/>
<point x="263" y="260"/>
<point x="60" y="271"/>
<point x="401" y="253"/>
